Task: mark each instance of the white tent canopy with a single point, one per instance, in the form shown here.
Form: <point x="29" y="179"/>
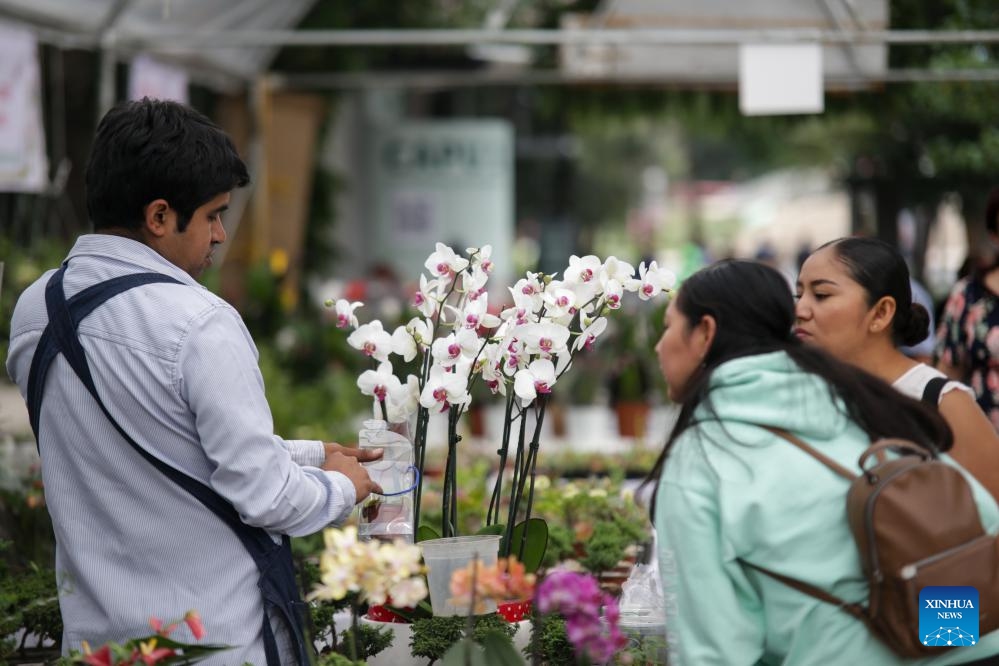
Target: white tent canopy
<point x="104" y="23"/>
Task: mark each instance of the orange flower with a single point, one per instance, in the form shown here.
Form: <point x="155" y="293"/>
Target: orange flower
<point x="503" y="581"/>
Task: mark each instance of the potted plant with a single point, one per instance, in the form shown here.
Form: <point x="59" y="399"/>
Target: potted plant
<point x="632" y="372"/>
<point x="456" y="341"/>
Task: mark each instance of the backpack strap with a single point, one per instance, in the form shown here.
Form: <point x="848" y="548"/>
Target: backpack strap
<point x="821" y="457"/>
<point x="856" y="610"/>
<point x="931" y="392"/>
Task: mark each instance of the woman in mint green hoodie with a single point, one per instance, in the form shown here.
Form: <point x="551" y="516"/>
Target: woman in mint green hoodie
<point x="730" y="491"/>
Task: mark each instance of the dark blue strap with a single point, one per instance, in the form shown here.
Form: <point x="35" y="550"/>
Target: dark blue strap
<point x="931" y="392"/>
<point x="277" y="573"/>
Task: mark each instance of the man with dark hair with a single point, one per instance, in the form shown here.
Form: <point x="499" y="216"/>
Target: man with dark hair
<point x="167" y="486"/>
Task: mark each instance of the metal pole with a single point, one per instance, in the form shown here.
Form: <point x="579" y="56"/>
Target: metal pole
<point x="167" y="39"/>
<point x="430" y="80"/>
<point x="107" y="37"/>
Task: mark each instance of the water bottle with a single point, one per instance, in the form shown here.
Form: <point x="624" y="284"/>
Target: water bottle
<point x="388" y="516"/>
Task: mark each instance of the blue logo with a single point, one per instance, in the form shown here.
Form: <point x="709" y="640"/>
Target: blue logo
<point x="948" y="616"/>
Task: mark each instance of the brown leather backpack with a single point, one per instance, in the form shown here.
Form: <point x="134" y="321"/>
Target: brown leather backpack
<point x="916" y="525"/>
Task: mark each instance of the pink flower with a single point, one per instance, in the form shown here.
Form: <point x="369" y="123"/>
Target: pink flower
<point x="578" y="598"/>
<point x="157" y="625"/>
<point x="193" y="620"/>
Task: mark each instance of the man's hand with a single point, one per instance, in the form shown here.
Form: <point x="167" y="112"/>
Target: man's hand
<point x="362" y="455"/>
<point x="351" y="468"/>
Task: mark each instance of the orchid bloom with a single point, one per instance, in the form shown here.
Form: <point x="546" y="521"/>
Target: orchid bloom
<point x="476" y="314"/>
<point x="560" y="302"/>
<point x="403" y="400"/>
<point x="538" y="377"/>
<point x="345" y="316"/>
<point x="546" y="339"/>
<point x="449" y="350"/>
<point x="444" y="389"/>
<point x="481" y="257"/>
<point x="372" y="340"/>
<point x="378" y="382"/>
<point x="590" y="333"/>
<point x="616" y="270"/>
<point x="583" y="269"/>
<point x="444" y="262"/>
<point x="527" y="292"/>
<point x="427" y="298"/>
<point x="375" y="569"/>
<point x="473" y="282"/>
<point x="613" y="292"/>
<point x="651" y="282"/>
<point x="490" y="366"/>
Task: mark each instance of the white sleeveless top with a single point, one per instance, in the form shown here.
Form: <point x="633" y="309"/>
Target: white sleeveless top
<point x="914" y="381"/>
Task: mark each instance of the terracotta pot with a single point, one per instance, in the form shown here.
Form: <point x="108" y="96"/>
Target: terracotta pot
<point x="632" y="418"/>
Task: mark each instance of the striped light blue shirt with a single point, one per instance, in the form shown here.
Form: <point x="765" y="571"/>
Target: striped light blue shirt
<point x="177" y="368"/>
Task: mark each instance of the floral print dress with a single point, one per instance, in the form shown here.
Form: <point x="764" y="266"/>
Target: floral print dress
<point x="968" y="337"/>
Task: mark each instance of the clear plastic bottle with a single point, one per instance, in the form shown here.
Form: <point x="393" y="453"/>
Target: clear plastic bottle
<point x="387" y="516"/>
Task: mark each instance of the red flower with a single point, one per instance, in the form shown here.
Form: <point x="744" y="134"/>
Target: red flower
<point x="100" y="658"/>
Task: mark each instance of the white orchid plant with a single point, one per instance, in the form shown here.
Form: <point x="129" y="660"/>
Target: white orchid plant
<point x="519" y="353"/>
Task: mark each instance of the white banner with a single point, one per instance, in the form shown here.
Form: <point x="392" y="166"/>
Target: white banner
<point x="24" y="165"/>
<point x="156" y="80"/>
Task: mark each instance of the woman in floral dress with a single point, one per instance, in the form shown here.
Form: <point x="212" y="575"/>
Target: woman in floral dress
<point x="967" y="346"/>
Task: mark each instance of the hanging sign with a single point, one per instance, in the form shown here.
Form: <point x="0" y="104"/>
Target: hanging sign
<point x="23" y="162"/>
<point x="156" y="80"/>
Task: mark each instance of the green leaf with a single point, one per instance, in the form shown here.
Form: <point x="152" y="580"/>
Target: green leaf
<point x="491" y="529"/>
<point x="425" y="533"/>
<point x="534" y="549"/>
<point x="500" y="650"/>
<point x="493" y="649"/>
<point x="422" y="609"/>
<point x="465" y="653"/>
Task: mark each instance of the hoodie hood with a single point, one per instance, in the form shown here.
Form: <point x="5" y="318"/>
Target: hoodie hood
<point x="771" y="390"/>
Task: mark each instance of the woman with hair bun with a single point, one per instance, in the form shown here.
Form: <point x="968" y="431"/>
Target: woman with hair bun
<point x="855" y="301"/>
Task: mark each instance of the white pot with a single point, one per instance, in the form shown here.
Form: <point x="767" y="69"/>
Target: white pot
<point x="397" y="654"/>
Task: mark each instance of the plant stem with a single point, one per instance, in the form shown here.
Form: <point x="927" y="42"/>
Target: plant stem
<point x="353" y="630"/>
<point x="531" y="470"/>
<point x="515" y="484"/>
<point x="492" y="517"/>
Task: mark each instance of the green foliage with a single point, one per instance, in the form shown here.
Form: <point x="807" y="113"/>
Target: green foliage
<point x="434" y="636"/>
<point x="25" y="521"/>
<point x="369" y="641"/>
<point x="605" y="548"/>
<point x="551" y="641"/>
<point x="592" y="518"/>
<point x="561" y="545"/>
<point x="28" y="601"/>
<point x="495" y="650"/>
<point x="337" y="659"/>
<point x="23" y="264"/>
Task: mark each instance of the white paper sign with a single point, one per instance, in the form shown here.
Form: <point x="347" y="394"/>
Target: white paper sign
<point x="780" y="79"/>
<point x="156" y="80"/>
<point x="24" y="166"/>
